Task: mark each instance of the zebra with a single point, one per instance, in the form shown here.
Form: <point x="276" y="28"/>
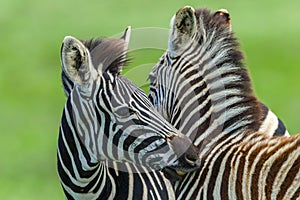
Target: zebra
<point x="109" y="129"/>
<point x="154" y="185"/>
<point x="200" y="85"/>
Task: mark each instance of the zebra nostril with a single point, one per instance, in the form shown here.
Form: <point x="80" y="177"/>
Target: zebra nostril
<point x="191" y="159"/>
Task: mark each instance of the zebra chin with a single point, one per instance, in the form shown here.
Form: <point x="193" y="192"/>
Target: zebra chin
<point x="180" y="167"/>
<point x="177" y="170"/>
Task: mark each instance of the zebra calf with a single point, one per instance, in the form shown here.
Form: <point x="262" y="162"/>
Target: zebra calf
<point x="201" y="86"/>
<point x="107" y="118"/>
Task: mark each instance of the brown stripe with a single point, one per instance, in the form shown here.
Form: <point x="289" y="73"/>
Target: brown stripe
<point x="255" y="176"/>
<point x="251" y="158"/>
<point x="225" y="178"/>
<point x="265" y="156"/>
<point x="240" y="167"/>
<point x="276" y="165"/>
<point x="216" y="170"/>
<point x="233" y="165"/>
<point x="292" y="171"/>
<point x="239" y="178"/>
<point x="296" y="194"/>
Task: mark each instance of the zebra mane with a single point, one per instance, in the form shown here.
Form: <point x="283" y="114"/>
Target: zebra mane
<point x="110" y="53"/>
<point x="217" y="39"/>
<point x="90" y="44"/>
<point x="219" y="50"/>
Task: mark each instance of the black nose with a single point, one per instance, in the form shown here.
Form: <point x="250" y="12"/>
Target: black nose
<point x="191" y="157"/>
<point x="187" y="154"/>
<point x="187" y="159"/>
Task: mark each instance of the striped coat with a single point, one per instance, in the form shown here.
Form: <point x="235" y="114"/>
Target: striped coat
<point x="201" y="86"/>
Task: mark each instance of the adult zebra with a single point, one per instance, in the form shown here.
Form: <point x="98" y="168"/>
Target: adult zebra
<point x="107" y="118"/>
<point x="201" y="86"/>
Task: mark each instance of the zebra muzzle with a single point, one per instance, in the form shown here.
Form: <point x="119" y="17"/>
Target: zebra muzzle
<point x="187" y="158"/>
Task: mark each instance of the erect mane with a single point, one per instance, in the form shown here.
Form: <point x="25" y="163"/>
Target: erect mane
<point x="107" y="53"/>
<point x="90" y="44"/>
<point x="219" y="42"/>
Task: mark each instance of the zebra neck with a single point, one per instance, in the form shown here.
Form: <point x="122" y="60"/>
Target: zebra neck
<point x="210" y="99"/>
<point x="84" y="177"/>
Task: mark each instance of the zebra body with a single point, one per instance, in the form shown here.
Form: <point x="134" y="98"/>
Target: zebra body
<point x="110" y="130"/>
<point x="201" y="86"/>
<point x="246" y="166"/>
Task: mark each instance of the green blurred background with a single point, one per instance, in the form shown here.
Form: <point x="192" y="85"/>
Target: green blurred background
<point x="32" y="98"/>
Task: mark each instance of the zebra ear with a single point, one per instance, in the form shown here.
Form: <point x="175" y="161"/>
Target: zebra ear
<point x="222" y="17"/>
<point x="126" y="37"/>
<point x="75" y="59"/>
<point x="183" y="29"/>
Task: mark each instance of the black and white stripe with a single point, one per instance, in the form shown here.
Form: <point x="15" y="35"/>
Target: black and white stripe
<point x="271" y="124"/>
<point x="125" y="180"/>
<point x="201" y="86"/>
<point x="111" y="138"/>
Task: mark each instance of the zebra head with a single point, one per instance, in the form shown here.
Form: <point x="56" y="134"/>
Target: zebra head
<point x="112" y="117"/>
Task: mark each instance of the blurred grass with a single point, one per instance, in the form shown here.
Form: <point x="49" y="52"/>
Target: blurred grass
<point x="32" y="97"/>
